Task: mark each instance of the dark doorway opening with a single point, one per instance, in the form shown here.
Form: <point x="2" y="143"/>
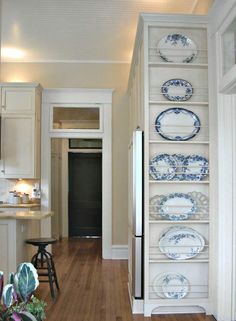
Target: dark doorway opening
<point x="85" y="194"/>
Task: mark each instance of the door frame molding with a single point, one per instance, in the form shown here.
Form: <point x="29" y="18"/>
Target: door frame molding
<point x="77" y="97"/>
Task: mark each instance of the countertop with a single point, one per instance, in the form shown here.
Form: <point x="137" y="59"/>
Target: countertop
<point x="25" y="215"/>
<point x="29" y="205"/>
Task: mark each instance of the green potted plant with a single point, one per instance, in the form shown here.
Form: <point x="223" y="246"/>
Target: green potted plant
<point x="17" y="302"/>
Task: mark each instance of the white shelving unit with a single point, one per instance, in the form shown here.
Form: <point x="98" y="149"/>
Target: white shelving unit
<point x="148" y="73"/>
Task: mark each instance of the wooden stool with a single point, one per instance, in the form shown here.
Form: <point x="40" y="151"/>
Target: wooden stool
<point x="43" y="260"/>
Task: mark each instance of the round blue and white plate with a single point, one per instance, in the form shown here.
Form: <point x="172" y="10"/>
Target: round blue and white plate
<point x="171" y="285"/>
<point x="195" y="168"/>
<point x="179" y="173"/>
<point x="181" y="243"/>
<point x="162" y="167"/>
<point x="177" y="206"/>
<point x="177" y="124"/>
<point x="177" y="90"/>
<point x="177" y="48"/>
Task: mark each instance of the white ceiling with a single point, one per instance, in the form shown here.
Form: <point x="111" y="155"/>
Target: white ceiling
<point x="81" y="30"/>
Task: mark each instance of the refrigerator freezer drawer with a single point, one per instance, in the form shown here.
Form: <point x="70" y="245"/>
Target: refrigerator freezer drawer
<point x="137" y="266"/>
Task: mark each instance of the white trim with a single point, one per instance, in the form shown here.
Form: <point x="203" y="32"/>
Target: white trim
<point x="137" y="306"/>
<point x="80" y="96"/>
<point x="65" y="61"/>
<point x="119" y="252"/>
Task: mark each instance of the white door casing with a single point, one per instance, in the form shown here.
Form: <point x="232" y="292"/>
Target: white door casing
<point x="79" y="97"/>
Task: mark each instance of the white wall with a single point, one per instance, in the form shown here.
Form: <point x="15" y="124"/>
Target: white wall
<point x="59" y="75"/>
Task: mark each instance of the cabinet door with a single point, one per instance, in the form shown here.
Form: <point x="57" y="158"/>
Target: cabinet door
<point x="18" y="146"/>
<point x="18" y="100"/>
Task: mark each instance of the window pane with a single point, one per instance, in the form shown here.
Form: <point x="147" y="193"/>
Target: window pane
<point x="229" y="47"/>
<point x="75" y="118"/>
<point x="85" y="143"/>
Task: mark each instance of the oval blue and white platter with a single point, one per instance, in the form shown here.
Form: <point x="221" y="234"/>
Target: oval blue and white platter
<point x="177" y="124"/>
<point x="177" y="206"/>
<point x="177" y="90"/>
<point x="181" y="243"/>
<point x="177" y="48"/>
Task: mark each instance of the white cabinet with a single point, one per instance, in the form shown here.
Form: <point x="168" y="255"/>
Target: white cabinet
<point x="17" y="99"/>
<point x="20" y="131"/>
<point x="169" y="77"/>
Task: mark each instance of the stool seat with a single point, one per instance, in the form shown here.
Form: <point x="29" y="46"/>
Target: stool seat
<point x="43" y="262"/>
<point x="41" y="241"/>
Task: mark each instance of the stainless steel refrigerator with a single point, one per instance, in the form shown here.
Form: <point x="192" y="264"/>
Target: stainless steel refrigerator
<point x="137" y="215"/>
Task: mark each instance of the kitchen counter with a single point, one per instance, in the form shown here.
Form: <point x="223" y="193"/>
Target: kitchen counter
<point x="29" y="205"/>
<point x="16" y="226"/>
<point x="23" y="215"/>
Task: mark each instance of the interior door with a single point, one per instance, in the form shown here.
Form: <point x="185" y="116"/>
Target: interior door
<point x="85" y="194"/>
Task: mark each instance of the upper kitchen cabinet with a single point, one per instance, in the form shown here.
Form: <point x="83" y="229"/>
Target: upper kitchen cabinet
<point x="20" y="130"/>
<point x="17" y="99"/>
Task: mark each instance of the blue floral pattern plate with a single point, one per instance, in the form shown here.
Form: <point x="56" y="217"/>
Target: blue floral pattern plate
<point x="177" y="206"/>
<point x="177" y="90"/>
<point x="177" y="48"/>
<point x="170" y="285"/>
<point x="162" y="167"/>
<point x="181" y="243"/>
<point x="177" y="124"/>
<point x="195" y="168"/>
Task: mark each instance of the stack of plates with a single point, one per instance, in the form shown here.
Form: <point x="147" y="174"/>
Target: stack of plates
<point x="181" y="243"/>
<point x="171" y="285"/>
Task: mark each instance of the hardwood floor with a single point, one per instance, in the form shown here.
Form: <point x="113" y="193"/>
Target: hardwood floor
<point x="92" y="289"/>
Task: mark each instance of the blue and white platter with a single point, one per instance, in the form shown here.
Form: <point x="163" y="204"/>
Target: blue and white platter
<point x="177" y="206"/>
<point x="195" y="168"/>
<point x="171" y="285"/>
<point x="177" y="124"/>
<point x="177" y="48"/>
<point x="181" y="243"/>
<point x="177" y="90"/>
<point x="162" y="167"/>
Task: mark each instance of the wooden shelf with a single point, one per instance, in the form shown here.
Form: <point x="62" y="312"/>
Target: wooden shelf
<point x="179" y="222"/>
<point x="178" y="65"/>
<point x="178" y="261"/>
<point x="187" y="142"/>
<point x="181" y="103"/>
<point x="178" y="182"/>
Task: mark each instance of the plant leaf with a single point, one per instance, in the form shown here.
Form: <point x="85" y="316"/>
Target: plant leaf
<point x="8" y="295"/>
<point x="27" y="316"/>
<point x="11" y="278"/>
<point x="1" y="284"/>
<point x="16" y="317"/>
<point x="26" y="280"/>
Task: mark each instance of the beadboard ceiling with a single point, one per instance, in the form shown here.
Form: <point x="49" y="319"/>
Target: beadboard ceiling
<point x="80" y="30"/>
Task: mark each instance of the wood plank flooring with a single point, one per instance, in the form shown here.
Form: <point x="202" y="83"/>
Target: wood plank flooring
<point x="93" y="289"/>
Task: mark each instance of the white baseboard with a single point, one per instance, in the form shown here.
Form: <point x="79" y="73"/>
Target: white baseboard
<point x="119" y="252"/>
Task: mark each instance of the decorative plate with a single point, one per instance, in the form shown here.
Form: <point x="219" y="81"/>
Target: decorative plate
<point x="177" y="48"/>
<point x="171" y="285"/>
<point x="154" y="205"/>
<point x="181" y="243"/>
<point x="162" y="167"/>
<point x="202" y="202"/>
<point x="177" y="206"/>
<point x="177" y="90"/>
<point x="195" y="168"/>
<point x="179" y="173"/>
<point x="178" y="124"/>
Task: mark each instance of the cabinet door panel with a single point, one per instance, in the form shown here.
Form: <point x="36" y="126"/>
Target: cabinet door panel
<point x="18" y="146"/>
<point x="17" y="100"/>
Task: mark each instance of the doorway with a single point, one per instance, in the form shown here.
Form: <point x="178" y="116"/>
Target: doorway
<point x="85" y="194"/>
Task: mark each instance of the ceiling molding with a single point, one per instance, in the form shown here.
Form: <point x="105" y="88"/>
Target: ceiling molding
<point x="50" y="61"/>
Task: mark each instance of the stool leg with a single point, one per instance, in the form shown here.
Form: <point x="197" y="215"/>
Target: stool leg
<point x="53" y="269"/>
<point x="50" y="276"/>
